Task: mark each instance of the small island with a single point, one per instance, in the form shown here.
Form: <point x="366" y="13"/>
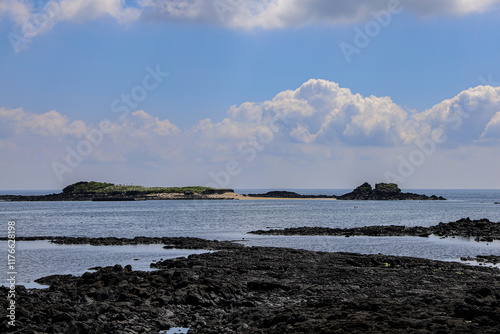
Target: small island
<point x="384" y="192"/>
<point x="103" y="191"/>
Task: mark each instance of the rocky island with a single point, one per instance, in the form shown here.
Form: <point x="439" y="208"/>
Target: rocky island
<point x="102" y="191"/>
<point x="384" y="192"/>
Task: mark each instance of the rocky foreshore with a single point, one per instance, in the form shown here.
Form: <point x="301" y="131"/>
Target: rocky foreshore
<point x="480" y="230"/>
<point x="267" y="290"/>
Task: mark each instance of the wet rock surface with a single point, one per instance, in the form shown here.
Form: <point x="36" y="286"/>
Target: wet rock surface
<point x="493" y="259"/>
<point x="480" y="230"/>
<point x="384" y="192"/>
<point x="267" y="290"/>
<point x="375" y="231"/>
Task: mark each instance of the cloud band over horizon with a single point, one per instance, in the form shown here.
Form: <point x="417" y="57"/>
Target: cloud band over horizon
<point x="319" y="121"/>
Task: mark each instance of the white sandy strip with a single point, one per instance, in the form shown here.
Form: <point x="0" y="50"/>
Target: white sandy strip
<point x="244" y="197"/>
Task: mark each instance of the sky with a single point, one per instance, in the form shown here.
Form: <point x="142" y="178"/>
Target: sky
<point x="250" y="94"/>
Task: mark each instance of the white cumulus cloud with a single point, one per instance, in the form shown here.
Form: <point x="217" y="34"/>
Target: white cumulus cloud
<point x="464" y="118"/>
<point x="492" y="130"/>
<point x="83" y="10"/>
<point x="49" y="124"/>
<point x="316" y="123"/>
<point x="318" y="111"/>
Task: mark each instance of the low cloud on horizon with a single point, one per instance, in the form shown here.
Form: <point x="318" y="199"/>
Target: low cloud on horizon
<point x="318" y="135"/>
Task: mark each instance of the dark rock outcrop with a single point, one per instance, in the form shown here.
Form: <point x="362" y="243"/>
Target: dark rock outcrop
<point x="217" y="191"/>
<point x="267" y="290"/>
<point x="384" y="192"/>
<point x="50" y="197"/>
<point x="373" y="231"/>
<point x="288" y="194"/>
<point x="480" y="230"/>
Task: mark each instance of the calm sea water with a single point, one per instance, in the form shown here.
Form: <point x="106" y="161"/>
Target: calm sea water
<point x="231" y="220"/>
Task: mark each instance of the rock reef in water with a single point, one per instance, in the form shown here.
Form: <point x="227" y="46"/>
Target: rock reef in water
<point x="384" y="192"/>
<point x="480" y="230"/>
<point x="266" y="290"/>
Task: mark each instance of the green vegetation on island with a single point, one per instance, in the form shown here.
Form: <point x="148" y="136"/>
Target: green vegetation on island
<point x="387" y="187"/>
<point x="94" y="187"/>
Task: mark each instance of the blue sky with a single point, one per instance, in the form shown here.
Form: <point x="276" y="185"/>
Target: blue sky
<point x="231" y="69"/>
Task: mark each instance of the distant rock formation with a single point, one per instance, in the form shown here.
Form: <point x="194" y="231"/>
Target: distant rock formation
<point x="217" y="191"/>
<point x="287" y="194"/>
<point x="384" y="192"/>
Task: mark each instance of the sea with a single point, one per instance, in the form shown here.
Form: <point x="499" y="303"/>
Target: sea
<point x="231" y="220"/>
